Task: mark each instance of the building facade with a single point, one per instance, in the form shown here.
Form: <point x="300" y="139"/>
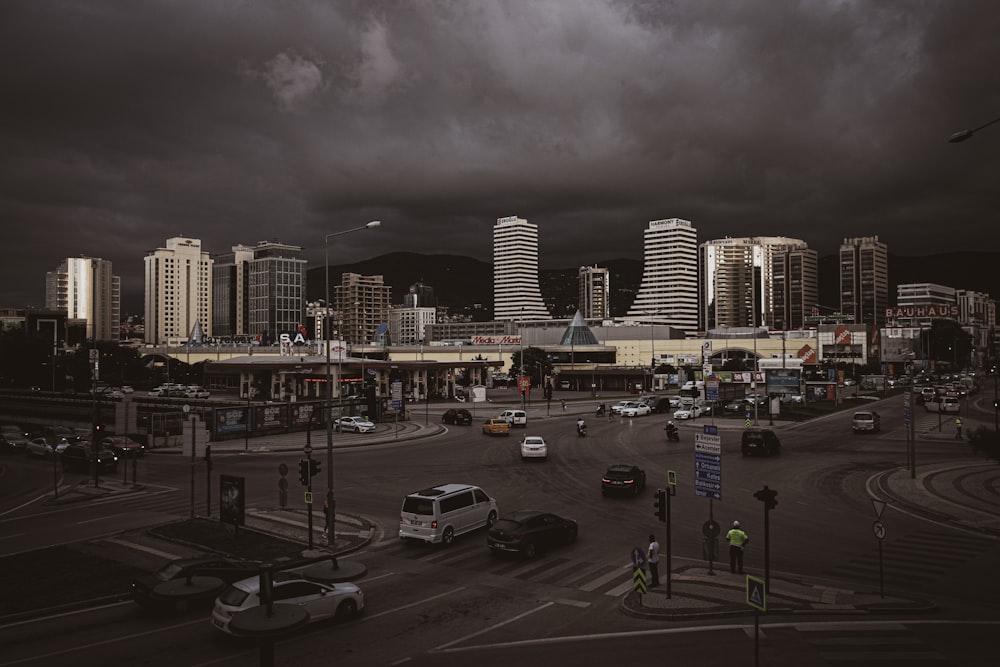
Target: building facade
<point x="362" y="305"/>
<point x="794" y="287"/>
<point x="864" y="280"/>
<point x="86" y="289"/>
<point x="178" y="291"/>
<point x="408" y="326"/>
<point x="277" y="289"/>
<point x="231" y="292"/>
<point x="668" y="291"/>
<point x="516" y="294"/>
<point x="595" y="293"/>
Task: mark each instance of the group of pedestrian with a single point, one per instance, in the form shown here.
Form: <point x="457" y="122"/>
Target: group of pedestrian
<point x="737" y="538"/>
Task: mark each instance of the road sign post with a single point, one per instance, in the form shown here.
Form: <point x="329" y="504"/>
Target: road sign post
<point x="708" y="479"/>
<point x="638" y="557"/>
<point x="671" y="491"/>
<point x="756" y="598"/>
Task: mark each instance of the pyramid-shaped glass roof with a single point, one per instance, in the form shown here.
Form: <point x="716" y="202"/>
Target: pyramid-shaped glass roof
<point x="578" y="333"/>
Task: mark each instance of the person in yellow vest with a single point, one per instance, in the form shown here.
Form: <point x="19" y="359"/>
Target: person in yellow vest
<point x="737" y="540"/>
<point x="958" y="428"/>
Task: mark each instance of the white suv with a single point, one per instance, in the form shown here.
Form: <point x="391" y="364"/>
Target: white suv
<point x="439" y="514"/>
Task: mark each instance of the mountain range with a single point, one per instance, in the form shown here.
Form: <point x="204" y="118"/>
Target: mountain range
<point x="465" y="285"/>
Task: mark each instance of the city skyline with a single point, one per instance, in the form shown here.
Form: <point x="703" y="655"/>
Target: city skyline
<point x="820" y="122"/>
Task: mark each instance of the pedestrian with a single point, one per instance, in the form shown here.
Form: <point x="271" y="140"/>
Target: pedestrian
<point x="326" y="518"/>
<point x="737" y="540"/>
<point x="654" y="561"/>
<point x="958" y="428"/>
<point x="564" y="404"/>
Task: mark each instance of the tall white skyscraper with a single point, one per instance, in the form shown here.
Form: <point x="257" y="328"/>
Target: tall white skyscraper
<point x="178" y="290"/>
<point x="668" y="293"/>
<point x="86" y="289"/>
<point x="516" y="295"/>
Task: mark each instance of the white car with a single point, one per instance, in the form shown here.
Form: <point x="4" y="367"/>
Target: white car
<point x="46" y="446"/>
<point x="356" y="424"/>
<point x="322" y="601"/>
<point x="126" y="389"/>
<point x="533" y="447"/>
<point x="196" y="392"/>
<point x="621" y="405"/>
<point x="688" y="412"/>
<point x="636" y="410"/>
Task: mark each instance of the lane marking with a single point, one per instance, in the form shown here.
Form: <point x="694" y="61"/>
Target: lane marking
<point x="141" y="547"/>
<point x="493" y="627"/>
<point x="101" y="518"/>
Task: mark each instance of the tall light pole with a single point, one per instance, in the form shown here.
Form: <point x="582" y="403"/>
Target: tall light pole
<point x="962" y="135"/>
<point x="328" y="408"/>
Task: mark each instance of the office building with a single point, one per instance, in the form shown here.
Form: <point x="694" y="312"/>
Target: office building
<point x="362" y="305"/>
<point x="595" y="293"/>
<point x="86" y="289"/>
<point x="864" y="280"/>
<point x="668" y="291"/>
<point x="516" y="294"/>
<point x="408" y="325"/>
<point x="420" y="296"/>
<point x="231" y="293"/>
<point x="794" y="287"/>
<point x="178" y="290"/>
<point x="277" y="289"/>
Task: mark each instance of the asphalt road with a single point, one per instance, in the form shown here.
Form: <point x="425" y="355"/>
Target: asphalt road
<point x="462" y="603"/>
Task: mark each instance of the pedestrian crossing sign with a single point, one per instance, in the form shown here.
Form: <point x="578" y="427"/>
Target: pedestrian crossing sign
<point x="756" y="593"/>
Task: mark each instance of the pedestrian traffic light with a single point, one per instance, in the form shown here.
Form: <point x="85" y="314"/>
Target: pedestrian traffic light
<point x="304" y="472"/>
<point x="661" y="505"/>
<point x="313" y="467"/>
<point x="768" y="497"/>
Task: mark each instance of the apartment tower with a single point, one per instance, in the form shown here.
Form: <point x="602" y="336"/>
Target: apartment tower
<point x="86" y="289"/>
<point x="595" y="293"/>
<point x="668" y="292"/>
<point x="864" y="280"/>
<point x="178" y="288"/>
<point x="516" y="294"/>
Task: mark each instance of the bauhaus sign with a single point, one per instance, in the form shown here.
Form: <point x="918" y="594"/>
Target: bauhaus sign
<point x="903" y="312"/>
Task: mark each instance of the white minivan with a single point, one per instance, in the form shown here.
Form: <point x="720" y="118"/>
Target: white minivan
<point x="515" y="417"/>
<point x="438" y="514"/>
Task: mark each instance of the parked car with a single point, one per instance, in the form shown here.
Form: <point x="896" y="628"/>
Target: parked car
<point x="356" y="424"/>
<point x="943" y="404"/>
<point x="792" y="399"/>
<point x="736" y="406"/>
<point x="865" y="421"/>
<point x="342" y="601"/>
<point x="623" y="478"/>
<point x="760" y="441"/>
<point x="528" y="532"/>
<point x="13" y="438"/>
<point x="123" y="446"/>
<point x="226" y="569"/>
<point x="533" y="447"/>
<point x="496" y="426"/>
<point x="126" y="389"/>
<point x="461" y="417"/>
<point x="688" y="412"/>
<point x="46" y="446"/>
<point x="636" y="410"/>
<point x="80" y="456"/>
<point x="195" y="391"/>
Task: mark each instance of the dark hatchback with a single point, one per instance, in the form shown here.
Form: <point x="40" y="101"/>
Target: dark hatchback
<point x="623" y="478"/>
<point x="460" y="416"/>
<point x="528" y="532"/>
<point x="80" y="456"/>
<point x="226" y="569"/>
<point x="760" y="441"/>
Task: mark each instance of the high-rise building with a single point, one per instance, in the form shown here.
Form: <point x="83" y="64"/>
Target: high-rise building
<point x="757" y="281"/>
<point x="516" y="294"/>
<point x="595" y="293"/>
<point x="363" y="305"/>
<point x="668" y="292"/>
<point x="231" y="292"/>
<point x="178" y="288"/>
<point x="277" y="289"/>
<point x="408" y="324"/>
<point x="864" y="280"/>
<point x="420" y="296"/>
<point x="794" y="287"/>
<point x="86" y="289"/>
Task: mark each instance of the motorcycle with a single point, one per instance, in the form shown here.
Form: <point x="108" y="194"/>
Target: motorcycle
<point x="600" y="412"/>
<point x="581" y="430"/>
<point x="673" y="435"/>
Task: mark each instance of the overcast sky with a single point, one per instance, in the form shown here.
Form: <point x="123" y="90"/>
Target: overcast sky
<point x="126" y="123"/>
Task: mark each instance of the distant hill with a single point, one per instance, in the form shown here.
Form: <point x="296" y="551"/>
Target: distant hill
<point x="465" y="285"/>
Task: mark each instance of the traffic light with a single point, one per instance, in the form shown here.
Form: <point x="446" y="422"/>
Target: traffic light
<point x="98" y="431"/>
<point x="304" y="472"/>
<point x="661" y="505"/>
<point x="313" y="467"/>
<point x="768" y="497"/>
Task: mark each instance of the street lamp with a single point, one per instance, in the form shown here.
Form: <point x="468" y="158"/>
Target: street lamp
<point x="962" y="135"/>
<point x="331" y="503"/>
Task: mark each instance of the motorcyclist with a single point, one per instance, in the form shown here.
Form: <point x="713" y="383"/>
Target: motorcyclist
<point x="581" y="426"/>
<point x="671" y="430"/>
<point x="600" y="410"/>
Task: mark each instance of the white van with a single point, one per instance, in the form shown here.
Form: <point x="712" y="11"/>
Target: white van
<point x="438" y="514"/>
<point x="515" y="417"/>
<point x="943" y="404"/>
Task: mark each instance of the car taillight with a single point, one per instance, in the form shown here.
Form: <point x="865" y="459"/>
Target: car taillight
<point x="630" y="481"/>
<point x="605" y="479"/>
<point x="434" y="524"/>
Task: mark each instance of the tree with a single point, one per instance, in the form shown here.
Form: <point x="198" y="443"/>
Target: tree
<point x="536" y="364"/>
<point x="948" y="343"/>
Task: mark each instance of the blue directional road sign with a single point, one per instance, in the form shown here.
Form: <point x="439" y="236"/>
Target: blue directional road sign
<point x="708" y="465"/>
<point x="638" y="558"/>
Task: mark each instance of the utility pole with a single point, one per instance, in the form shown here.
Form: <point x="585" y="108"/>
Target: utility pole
<point x="769" y="498"/>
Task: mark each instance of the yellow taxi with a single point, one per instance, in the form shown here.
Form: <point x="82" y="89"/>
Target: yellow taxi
<point x="496" y="427"/>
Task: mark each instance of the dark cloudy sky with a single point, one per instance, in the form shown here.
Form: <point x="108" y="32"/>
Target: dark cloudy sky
<point x="125" y="123"/>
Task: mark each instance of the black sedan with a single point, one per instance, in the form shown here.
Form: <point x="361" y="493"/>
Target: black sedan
<point x="81" y="455"/>
<point x="226" y="569"/>
<point x="623" y="478"/>
<point x="460" y="416"/>
<point x="527" y="532"/>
